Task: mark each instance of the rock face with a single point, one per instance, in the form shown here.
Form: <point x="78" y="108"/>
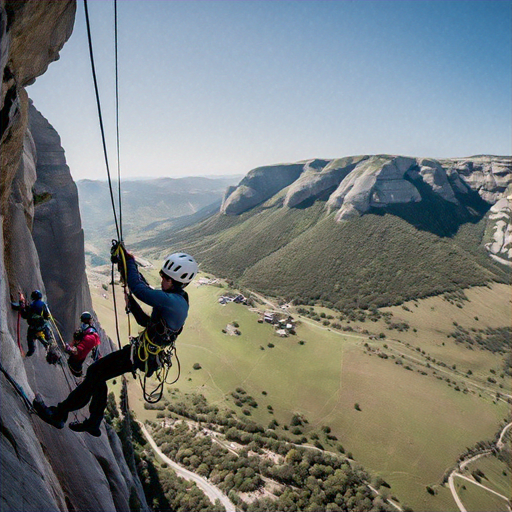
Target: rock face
<point x="319" y="176"/>
<point x="354" y="186"/>
<point x="376" y="182"/>
<point x="500" y="226"/>
<point x="41" y="246"/>
<point x="57" y="224"/>
<point x="259" y="185"/>
<point x="32" y="33"/>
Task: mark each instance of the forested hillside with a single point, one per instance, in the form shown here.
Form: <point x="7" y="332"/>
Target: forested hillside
<point x="301" y="254"/>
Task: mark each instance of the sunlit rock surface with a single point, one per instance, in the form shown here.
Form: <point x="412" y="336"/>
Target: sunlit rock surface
<point x="354" y="186"/>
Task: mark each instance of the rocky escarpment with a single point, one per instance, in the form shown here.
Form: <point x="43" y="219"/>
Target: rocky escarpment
<point x="41" y="246"/>
<point x="354" y="186"/>
<point x="57" y="228"/>
<point x="259" y="185"/>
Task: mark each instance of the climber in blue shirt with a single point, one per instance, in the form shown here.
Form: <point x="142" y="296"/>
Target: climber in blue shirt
<point x="170" y="309"/>
<point x="36" y="314"/>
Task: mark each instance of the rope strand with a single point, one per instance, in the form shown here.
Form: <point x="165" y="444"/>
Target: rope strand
<point x="117" y="224"/>
<point x="89" y="37"/>
<point x="115" y="308"/>
<point x="117" y="129"/>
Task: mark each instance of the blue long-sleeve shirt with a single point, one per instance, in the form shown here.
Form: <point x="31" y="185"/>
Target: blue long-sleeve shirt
<point x="171" y="307"/>
<point x="36" y="313"/>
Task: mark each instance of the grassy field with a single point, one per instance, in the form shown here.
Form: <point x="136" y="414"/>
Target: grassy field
<point x="411" y="426"/>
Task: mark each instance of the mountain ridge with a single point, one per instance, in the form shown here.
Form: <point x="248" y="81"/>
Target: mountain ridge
<point x="364" y="183"/>
<point x="267" y="234"/>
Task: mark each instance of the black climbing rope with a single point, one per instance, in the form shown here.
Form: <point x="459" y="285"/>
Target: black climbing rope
<point x="98" y="104"/>
<point x="117" y="128"/>
<point x="119" y="228"/>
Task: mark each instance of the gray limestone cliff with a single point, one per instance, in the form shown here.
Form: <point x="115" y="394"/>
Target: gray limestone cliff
<point x="357" y="185"/>
<point x="41" y="246"/>
<point x="57" y="228"/>
<point x="258" y="186"/>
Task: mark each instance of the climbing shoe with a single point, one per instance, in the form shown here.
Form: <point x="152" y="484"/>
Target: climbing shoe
<point x="30" y="352"/>
<point x="75" y="367"/>
<point x="86" y="426"/>
<point x="49" y="414"/>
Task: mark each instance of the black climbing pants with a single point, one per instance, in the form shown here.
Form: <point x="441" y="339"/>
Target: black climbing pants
<point x="94" y="386"/>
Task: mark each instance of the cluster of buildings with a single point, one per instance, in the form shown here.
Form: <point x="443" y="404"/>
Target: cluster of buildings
<point x="238" y="299"/>
<point x="284" y="325"/>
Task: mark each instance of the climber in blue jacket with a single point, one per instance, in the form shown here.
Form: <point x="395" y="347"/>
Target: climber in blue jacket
<point x="170" y="309"/>
<point x="37" y="315"/>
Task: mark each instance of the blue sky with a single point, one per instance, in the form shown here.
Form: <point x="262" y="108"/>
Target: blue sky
<point x="223" y="86"/>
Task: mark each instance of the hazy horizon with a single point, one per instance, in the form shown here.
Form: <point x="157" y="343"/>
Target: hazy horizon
<point x="222" y="87"/>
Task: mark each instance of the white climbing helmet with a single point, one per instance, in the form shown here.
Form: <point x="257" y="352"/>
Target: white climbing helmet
<point x="180" y="266"/>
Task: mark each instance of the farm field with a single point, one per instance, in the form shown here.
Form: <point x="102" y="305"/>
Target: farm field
<point x="412" y="424"/>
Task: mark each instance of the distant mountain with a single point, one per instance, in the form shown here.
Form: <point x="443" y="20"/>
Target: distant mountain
<point x="359" y="231"/>
<point x="145" y="205"/>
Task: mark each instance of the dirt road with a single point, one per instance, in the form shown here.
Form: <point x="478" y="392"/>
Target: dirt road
<point x="455" y="473"/>
<point x="210" y="490"/>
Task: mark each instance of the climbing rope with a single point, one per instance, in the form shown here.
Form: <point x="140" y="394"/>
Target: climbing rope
<point x="65" y="370"/>
<point x="161" y="375"/>
<point x="18" y="334"/>
<point x="117" y="127"/>
<point x="119" y="226"/>
<point x="118" y="248"/>
<point x="118" y="253"/>
<point x="98" y="104"/>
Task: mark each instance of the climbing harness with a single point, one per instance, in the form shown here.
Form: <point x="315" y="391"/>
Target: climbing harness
<point x="157" y="359"/>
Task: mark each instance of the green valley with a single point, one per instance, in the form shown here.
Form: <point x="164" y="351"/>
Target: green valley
<point x="422" y="396"/>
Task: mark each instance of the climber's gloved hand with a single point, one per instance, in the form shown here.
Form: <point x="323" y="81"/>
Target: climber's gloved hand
<point x="115" y="252"/>
<point x="120" y="256"/>
<point x="115" y="256"/>
<point x="69" y="349"/>
<point x="20" y="304"/>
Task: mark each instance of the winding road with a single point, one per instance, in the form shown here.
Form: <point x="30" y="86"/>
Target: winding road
<point x="455" y="473"/>
<point x="210" y="490"/>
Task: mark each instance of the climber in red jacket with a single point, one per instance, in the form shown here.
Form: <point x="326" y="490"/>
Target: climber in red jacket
<point x="85" y="340"/>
